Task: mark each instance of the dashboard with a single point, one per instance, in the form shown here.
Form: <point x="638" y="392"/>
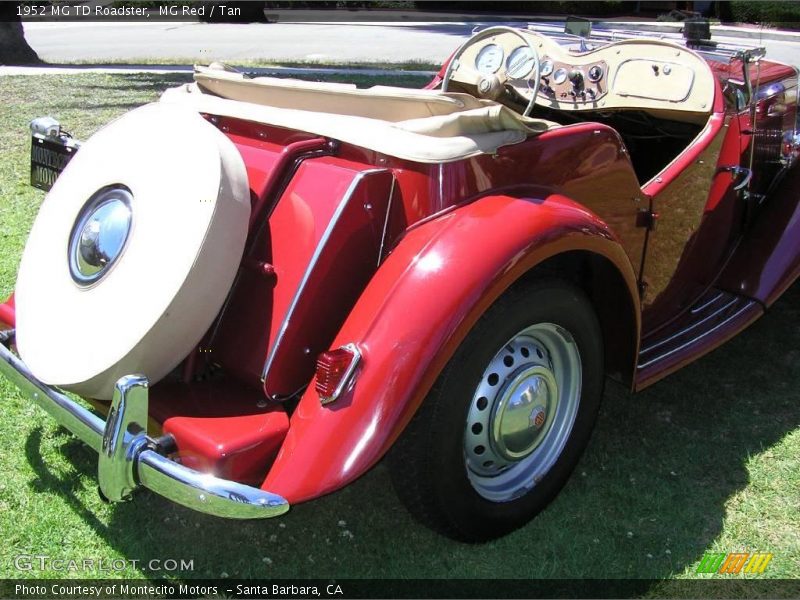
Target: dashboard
<point x="644" y="74"/>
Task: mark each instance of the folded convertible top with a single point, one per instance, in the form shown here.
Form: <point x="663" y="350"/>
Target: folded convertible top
<point x="418" y="125"/>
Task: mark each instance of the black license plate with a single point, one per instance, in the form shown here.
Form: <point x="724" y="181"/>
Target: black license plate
<point x="48" y="159"/>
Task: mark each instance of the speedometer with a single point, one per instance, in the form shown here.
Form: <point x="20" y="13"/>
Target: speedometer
<point x="489" y="59"/>
<point x="520" y="62"/>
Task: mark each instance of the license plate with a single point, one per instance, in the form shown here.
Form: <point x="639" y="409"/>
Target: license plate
<point x="48" y="159"/>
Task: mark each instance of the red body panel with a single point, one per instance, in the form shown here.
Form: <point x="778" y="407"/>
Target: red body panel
<point x="765" y="71"/>
<point x="7" y="312"/>
<point x="220" y="428"/>
<point x="269" y="319"/>
<point x="343" y="260"/>
<point x="413" y="314"/>
<point x="258" y="303"/>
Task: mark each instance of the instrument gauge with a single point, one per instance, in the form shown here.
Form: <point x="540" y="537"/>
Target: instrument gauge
<point x="489" y="59"/>
<point x="520" y="62"/>
<point x="547" y="67"/>
<point x="595" y="73"/>
<point x="560" y="76"/>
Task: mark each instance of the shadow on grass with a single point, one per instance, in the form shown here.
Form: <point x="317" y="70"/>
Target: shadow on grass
<point x="647" y="500"/>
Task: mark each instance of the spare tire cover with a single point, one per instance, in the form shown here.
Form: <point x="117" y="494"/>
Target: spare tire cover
<point x="189" y="205"/>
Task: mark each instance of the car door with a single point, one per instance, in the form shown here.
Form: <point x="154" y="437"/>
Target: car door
<point x="694" y="223"/>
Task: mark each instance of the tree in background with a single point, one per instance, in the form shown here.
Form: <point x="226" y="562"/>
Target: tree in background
<point x="14" y="49"/>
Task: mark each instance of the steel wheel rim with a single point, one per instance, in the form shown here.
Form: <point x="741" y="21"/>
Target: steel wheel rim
<point x="522" y="412"/>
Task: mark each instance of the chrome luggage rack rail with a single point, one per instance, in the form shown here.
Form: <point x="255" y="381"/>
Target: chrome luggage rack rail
<point x="129" y="459"/>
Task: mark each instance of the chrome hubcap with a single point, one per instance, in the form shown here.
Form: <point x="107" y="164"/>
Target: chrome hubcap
<point x="522" y="412"/>
<point x="100" y="234"/>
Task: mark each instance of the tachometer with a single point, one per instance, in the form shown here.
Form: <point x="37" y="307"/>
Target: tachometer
<point x="489" y="59"/>
<point x="520" y="62"/>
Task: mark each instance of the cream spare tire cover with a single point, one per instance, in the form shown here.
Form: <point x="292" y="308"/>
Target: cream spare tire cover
<point x="188" y="201"/>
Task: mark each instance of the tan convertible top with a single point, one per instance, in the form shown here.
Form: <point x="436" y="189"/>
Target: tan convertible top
<point x="418" y="125"/>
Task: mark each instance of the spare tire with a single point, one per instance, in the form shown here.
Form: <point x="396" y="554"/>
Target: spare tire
<point x="133" y="251"/>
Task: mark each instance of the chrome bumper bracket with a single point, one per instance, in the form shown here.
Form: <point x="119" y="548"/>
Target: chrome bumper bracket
<point x="128" y="457"/>
<point x="125" y="435"/>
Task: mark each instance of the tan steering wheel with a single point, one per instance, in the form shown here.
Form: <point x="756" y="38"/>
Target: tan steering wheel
<point x="491" y="85"/>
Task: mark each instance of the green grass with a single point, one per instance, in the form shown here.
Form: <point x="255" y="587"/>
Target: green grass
<point x="706" y="460"/>
<point x="408" y="65"/>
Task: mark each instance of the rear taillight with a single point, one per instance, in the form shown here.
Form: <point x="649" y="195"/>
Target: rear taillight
<point x="335" y="370"/>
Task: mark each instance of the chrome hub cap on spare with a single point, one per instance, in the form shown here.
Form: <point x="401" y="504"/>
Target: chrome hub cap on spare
<point x="99" y="235"/>
<point x="522" y="412"/>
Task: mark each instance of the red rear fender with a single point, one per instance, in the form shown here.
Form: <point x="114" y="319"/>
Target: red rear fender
<point x="410" y="319"/>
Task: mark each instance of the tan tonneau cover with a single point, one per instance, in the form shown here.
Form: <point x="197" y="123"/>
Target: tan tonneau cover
<point x="418" y="125"/>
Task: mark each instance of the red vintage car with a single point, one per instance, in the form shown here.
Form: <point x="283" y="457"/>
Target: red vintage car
<point x="265" y="286"/>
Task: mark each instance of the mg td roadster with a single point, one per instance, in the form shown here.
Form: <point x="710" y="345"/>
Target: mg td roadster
<point x="445" y="276"/>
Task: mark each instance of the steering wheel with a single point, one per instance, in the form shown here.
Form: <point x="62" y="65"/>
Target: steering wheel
<point x="493" y="84"/>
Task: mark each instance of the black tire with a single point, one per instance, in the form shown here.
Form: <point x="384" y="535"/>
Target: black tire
<point x="428" y="465"/>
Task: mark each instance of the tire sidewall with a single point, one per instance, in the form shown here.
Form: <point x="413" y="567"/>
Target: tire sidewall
<point x="548" y="302"/>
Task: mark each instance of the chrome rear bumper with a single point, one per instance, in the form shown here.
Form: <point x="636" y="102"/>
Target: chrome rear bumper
<point x="128" y="457"/>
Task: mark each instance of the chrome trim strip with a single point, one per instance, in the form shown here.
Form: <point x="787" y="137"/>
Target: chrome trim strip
<point x="344" y="383"/>
<point x="386" y="220"/>
<point x="129" y="459"/>
<point x="693" y="325"/>
<point x="696" y="309"/>
<point x="312" y="264"/>
<point x="699" y="337"/>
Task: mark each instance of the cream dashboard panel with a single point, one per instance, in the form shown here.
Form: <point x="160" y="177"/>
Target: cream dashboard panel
<point x="646" y="74"/>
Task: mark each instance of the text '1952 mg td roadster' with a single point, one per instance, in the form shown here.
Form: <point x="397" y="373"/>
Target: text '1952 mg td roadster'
<point x="443" y="276"/>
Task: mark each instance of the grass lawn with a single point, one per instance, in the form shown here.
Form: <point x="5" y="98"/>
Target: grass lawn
<point x="411" y="65"/>
<point x="708" y="460"/>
